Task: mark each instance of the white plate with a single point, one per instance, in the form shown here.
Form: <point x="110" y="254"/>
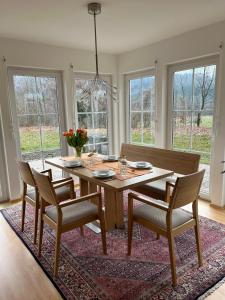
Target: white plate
<point x="72" y="163"/>
<point x="110" y="158"/>
<point x="140" y="165"/>
<point x="104" y="173"/>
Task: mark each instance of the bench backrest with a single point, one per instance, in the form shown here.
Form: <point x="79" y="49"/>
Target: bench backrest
<point x="177" y="161"/>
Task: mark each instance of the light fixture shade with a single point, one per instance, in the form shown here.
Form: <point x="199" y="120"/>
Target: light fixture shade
<point x="97" y="84"/>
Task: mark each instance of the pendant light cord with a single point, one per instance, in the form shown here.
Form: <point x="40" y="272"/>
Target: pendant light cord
<point x="96" y="49"/>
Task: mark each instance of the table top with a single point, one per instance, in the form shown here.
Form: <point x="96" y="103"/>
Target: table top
<point x="115" y="184"/>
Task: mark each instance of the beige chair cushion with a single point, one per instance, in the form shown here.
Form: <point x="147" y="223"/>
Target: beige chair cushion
<point x="156" y="189"/>
<point x="74" y="212"/>
<point x="63" y="193"/>
<point x="157" y="216"/>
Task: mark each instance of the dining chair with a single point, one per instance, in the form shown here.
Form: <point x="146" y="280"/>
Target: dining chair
<point x="169" y="219"/>
<point x="66" y="191"/>
<point x="66" y="215"/>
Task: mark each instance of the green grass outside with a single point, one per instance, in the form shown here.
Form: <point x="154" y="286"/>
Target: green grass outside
<point x="30" y="140"/>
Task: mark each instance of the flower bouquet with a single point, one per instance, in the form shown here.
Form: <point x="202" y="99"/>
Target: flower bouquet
<point x="76" y="139"/>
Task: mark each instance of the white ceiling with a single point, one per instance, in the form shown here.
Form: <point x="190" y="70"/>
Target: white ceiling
<point x="123" y="25"/>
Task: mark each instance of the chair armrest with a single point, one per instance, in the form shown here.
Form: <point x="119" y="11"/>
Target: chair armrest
<point x="147" y="201"/>
<point x="80" y="199"/>
<point x="169" y="185"/>
<point x="49" y="171"/>
<point x="66" y="182"/>
<point x="62" y="180"/>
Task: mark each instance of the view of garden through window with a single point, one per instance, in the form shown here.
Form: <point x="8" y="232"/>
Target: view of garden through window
<point x="93" y="114"/>
<point x="192" y="114"/>
<point x="193" y="107"/>
<point x="37" y="117"/>
<point x="142" y="110"/>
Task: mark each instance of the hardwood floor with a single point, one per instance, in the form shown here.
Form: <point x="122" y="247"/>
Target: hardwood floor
<point x="22" y="278"/>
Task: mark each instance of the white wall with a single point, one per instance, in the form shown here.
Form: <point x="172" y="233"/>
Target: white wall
<point x="194" y="44"/>
<point x="35" y="55"/>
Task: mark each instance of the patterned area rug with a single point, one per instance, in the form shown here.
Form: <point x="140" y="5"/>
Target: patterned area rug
<point x="85" y="273"/>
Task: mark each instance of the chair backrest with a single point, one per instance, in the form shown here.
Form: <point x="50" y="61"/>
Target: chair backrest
<point x="26" y="173"/>
<point x="186" y="189"/>
<point x="45" y="187"/>
<point x="177" y="161"/>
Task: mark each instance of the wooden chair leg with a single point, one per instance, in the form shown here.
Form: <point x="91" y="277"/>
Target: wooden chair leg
<point x="23" y="214"/>
<point x="198" y="244"/>
<point x="82" y="230"/>
<point x="36" y="222"/>
<point x="103" y="232"/>
<point x="130" y="234"/>
<point x="172" y="259"/>
<point x="41" y="225"/>
<point x="57" y="252"/>
<point x="157" y="236"/>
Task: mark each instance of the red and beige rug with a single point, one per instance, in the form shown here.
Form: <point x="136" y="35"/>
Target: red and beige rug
<point x="86" y="274"/>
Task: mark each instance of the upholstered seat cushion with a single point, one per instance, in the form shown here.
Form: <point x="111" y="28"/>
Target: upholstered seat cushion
<point x="63" y="193"/>
<point x="156" y="189"/>
<point x="157" y="216"/>
<point x="73" y="212"/>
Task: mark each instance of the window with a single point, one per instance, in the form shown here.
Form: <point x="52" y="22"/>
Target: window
<point x="94" y="114"/>
<point x="37" y="109"/>
<point x="193" y="96"/>
<point x="141" y="107"/>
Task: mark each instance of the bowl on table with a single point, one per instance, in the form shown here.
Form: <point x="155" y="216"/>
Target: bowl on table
<point x="72" y="163"/>
<point x="103" y="173"/>
<point x="140" y="165"/>
<point x="110" y="157"/>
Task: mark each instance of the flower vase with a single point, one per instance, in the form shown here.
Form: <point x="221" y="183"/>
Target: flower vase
<point x="78" y="151"/>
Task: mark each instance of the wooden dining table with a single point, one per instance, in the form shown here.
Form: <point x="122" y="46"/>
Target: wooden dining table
<point x="113" y="187"/>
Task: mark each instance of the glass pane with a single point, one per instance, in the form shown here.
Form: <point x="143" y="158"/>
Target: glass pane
<point x="182" y="90"/>
<point x="148" y="86"/>
<point x="29" y="130"/>
<point x="100" y="101"/>
<point x="100" y="124"/>
<point x="50" y="133"/>
<point x="83" y="105"/>
<point x="25" y="94"/>
<point x="182" y="130"/>
<point x="85" y="121"/>
<point x="201" y="135"/>
<point x="204" y="88"/>
<point x="135" y="95"/>
<point x="148" y="128"/>
<point x="47" y="94"/>
<point x="136" y="128"/>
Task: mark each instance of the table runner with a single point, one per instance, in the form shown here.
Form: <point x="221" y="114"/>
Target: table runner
<point x="98" y="164"/>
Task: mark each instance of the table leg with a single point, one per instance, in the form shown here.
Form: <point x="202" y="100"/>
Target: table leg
<point x="113" y="209"/>
<point x="83" y="187"/>
<point x="92" y="189"/>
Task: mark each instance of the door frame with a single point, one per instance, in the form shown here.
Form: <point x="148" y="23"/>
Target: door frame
<point x="4" y="196"/>
<point x="60" y="96"/>
<point x="214" y="59"/>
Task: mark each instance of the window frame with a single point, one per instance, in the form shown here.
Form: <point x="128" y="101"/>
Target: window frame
<point x="89" y="76"/>
<point x="13" y="71"/>
<point x="201" y="62"/>
<point x="138" y="75"/>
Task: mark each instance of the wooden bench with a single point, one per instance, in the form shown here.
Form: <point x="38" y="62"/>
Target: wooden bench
<point x="182" y="163"/>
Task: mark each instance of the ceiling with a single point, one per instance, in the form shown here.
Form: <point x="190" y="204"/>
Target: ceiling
<point x="123" y="25"/>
